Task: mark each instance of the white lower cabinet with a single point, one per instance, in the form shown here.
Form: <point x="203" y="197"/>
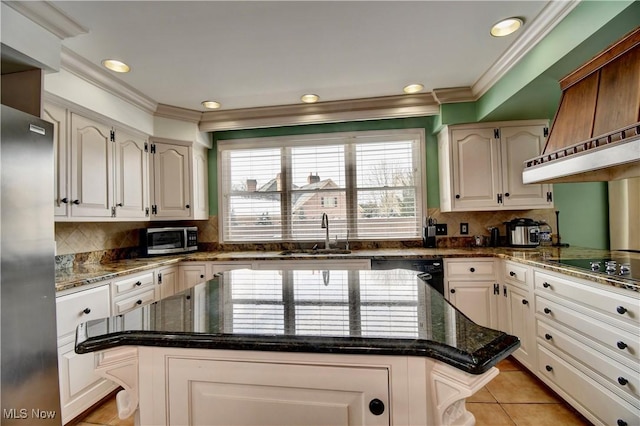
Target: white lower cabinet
<point x="192" y="273"/>
<point x="211" y="392"/>
<point x="521" y="314"/>
<point x="80" y="386"/>
<point x="167" y="281"/>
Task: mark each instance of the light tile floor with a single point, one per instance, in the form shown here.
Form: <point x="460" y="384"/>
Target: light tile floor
<point x="514" y="398"/>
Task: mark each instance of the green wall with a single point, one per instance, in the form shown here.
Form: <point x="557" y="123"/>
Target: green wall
<point x="584" y="213"/>
<point x="431" y="151"/>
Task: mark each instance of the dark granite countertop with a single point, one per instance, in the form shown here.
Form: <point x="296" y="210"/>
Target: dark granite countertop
<point x="353" y="312"/>
<point x="72" y="277"/>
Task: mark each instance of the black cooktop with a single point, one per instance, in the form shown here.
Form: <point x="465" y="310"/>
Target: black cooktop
<point x="613" y="267"/>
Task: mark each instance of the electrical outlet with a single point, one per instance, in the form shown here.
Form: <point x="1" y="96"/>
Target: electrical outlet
<point x="441" y="229"/>
<point x="464" y="228"/>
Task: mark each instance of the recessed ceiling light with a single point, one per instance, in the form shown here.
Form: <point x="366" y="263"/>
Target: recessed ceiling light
<point x="506" y="27"/>
<point x="211" y="104"/>
<point x="309" y="98"/>
<point x="413" y="88"/>
<point x="115" y="65"/>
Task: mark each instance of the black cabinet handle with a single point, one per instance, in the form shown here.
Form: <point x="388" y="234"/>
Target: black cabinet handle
<point x="201" y="276"/>
<point x="621" y="422"/>
<point x="86" y="311"/>
<point x="622" y="381"/>
<point x="546" y="285"/>
<point x="119" y="204"/>
<point x="506" y="194"/>
<point x="525" y="302"/>
<point x="138" y="283"/>
<point x="472" y="269"/>
<point x="621" y="345"/>
<point x="548" y="368"/>
<point x="457" y="196"/>
<point x="376" y="407"/>
<point x="187" y="206"/>
<point x="453" y="290"/>
<point x="76" y="202"/>
<point x="548" y="336"/>
<point x="512" y="274"/>
<point x="547" y="310"/>
<point x="138" y="302"/>
<point x="65" y="200"/>
<point x="621" y="310"/>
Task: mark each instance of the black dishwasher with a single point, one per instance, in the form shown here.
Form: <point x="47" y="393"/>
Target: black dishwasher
<point x="430" y="270"/>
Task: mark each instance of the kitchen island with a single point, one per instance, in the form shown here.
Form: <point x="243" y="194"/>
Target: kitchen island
<point x="297" y="347"/>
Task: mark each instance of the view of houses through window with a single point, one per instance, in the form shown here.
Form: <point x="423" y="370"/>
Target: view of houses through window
<point x="369" y="184"/>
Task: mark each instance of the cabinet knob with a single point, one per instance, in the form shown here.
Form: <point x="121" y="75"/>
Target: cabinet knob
<point x="76" y="202"/>
<point x="525" y="302"/>
<point x="120" y="204"/>
<point x="457" y="196"/>
<point x="376" y="407"/>
<point x="548" y="336"/>
<point x="621" y="310"/>
<point x="187" y="206"/>
<point x="138" y="283"/>
<point x="506" y="194"/>
<point x="512" y="274"/>
<point x="86" y="311"/>
<point x="621" y="345"/>
<point x="546" y="285"/>
<point x="65" y="200"/>
<point x="622" y="381"/>
<point x="547" y="310"/>
<point x="621" y="422"/>
<point x="472" y="269"/>
<point x="138" y="302"/>
<point x="453" y="290"/>
<point x="201" y="276"/>
<point x="548" y="367"/>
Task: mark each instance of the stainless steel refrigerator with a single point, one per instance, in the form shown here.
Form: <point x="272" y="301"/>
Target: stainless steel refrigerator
<point x="30" y="391"/>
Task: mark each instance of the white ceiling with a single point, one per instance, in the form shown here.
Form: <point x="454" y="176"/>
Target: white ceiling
<point x="262" y="53"/>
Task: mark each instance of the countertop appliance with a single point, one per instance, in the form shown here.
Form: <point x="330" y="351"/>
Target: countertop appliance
<point x="170" y="240"/>
<point x="523" y="232"/>
<point x="431" y="270"/>
<point x="30" y="388"/>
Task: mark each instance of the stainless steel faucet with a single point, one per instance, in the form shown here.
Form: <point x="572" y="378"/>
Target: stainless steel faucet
<point x="325" y="225"/>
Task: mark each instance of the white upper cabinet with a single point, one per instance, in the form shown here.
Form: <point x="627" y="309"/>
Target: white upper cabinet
<point x="101" y="171"/>
<point x="481" y="166"/>
<point x="179" y="181"/>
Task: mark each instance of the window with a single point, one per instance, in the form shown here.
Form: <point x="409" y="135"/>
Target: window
<point x="370" y="184"/>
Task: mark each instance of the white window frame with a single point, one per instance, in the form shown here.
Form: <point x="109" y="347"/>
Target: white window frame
<point x="286" y="142"/>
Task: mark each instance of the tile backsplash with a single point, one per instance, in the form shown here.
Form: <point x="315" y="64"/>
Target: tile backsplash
<point x="84" y="237"/>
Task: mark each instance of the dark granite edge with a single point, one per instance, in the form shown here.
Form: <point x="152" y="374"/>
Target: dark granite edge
<point x="476" y="363"/>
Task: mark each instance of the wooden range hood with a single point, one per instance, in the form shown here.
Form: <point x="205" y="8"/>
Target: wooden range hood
<point x="595" y="135"/>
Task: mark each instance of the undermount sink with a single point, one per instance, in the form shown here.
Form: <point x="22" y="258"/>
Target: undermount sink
<point x="315" y="251"/>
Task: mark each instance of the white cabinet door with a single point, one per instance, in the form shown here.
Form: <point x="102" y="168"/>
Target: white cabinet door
<point x="475" y="299"/>
<point x="200" y="205"/>
<point x="522" y="325"/>
<point x="192" y="274"/>
<point x="518" y="144"/>
<point x="171" y="181"/>
<point x="91" y="168"/>
<point x="209" y="392"/>
<point x="476" y="174"/>
<point x="167" y="281"/>
<point x="131" y="176"/>
<point x="58" y="116"/>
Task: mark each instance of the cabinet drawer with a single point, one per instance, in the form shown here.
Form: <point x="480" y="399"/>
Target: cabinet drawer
<point x="516" y="273"/>
<point x="132" y="283"/>
<point x="594" y="399"/>
<point x="470" y="269"/>
<point x="615" y="374"/>
<point x="121" y="306"/>
<point x="607" y="301"/>
<point x="85" y="305"/>
<point x="615" y="339"/>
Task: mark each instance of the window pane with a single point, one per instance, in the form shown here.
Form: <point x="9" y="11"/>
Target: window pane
<point x="388" y="214"/>
<point x="307" y="209"/>
<point x="386" y="164"/>
<point x="317" y="167"/>
<point x="254" y="217"/>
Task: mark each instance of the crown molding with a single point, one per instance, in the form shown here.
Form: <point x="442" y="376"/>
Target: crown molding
<point x="49" y="17"/>
<point x="401" y="106"/>
<point x="549" y="17"/>
<point x="177" y="113"/>
<point x="454" y="94"/>
<point x="81" y="67"/>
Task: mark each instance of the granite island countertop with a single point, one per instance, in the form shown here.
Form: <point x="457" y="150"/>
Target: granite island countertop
<point x="547" y="258"/>
<point x="369" y="312"/>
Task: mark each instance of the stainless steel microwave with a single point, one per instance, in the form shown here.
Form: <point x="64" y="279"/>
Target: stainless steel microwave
<point x="172" y="240"/>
